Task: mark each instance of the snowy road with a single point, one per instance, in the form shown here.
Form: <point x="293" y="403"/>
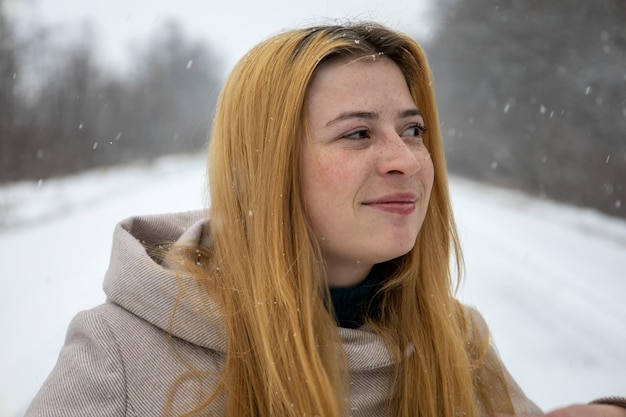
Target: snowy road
<point x="549" y="279"/>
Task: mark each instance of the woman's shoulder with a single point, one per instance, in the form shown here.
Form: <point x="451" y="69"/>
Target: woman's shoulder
<point x="119" y="364"/>
<point x="491" y="369"/>
<point x="132" y="335"/>
<point x="109" y="331"/>
<point x="472" y="320"/>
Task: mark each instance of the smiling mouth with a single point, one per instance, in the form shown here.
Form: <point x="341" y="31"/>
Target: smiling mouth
<point x="403" y="203"/>
<point x="395" y="207"/>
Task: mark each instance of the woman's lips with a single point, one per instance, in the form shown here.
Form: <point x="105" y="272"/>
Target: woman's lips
<point x="398" y="203"/>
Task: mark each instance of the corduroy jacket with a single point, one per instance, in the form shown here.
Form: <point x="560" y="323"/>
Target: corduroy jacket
<point x="130" y="355"/>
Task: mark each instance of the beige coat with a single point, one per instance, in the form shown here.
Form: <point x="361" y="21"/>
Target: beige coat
<point x="118" y="359"/>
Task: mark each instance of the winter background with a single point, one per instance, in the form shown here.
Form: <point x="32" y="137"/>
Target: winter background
<point x="549" y="278"/>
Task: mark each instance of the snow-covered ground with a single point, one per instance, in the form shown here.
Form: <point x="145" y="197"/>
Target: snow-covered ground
<point x="549" y="279"/>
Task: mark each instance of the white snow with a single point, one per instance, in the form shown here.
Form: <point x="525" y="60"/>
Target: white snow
<point x="548" y="278"/>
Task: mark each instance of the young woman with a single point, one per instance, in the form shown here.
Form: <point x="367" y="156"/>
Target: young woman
<point x="318" y="282"/>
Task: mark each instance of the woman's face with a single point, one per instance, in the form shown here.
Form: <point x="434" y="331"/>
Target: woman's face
<point x="366" y="174"/>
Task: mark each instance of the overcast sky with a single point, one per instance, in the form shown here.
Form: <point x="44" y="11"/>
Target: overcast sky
<point x="231" y="27"/>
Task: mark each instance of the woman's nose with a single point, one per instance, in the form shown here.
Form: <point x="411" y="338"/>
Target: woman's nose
<point x="398" y="157"/>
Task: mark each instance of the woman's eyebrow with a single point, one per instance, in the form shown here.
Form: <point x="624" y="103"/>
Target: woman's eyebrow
<point x="411" y="113"/>
<point x="372" y="115"/>
<point x="369" y="115"/>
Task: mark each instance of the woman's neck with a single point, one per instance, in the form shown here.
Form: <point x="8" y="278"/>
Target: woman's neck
<point x="346" y="274"/>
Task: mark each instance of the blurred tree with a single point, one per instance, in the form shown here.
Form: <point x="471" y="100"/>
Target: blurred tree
<point x="175" y="87"/>
<point x="77" y="115"/>
<point x="8" y="72"/>
<point x="532" y="94"/>
<point x="66" y="110"/>
<point x="10" y="103"/>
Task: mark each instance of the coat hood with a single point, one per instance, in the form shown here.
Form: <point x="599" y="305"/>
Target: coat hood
<point x="138" y="281"/>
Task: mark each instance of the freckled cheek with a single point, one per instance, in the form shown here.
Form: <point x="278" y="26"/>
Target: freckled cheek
<point x="332" y="171"/>
<point x="427" y="169"/>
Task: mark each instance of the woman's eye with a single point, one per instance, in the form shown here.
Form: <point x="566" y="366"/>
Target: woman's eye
<point x="358" y="135"/>
<point x="416" y="130"/>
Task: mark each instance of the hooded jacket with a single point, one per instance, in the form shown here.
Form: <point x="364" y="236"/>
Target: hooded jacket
<point x="130" y="355"/>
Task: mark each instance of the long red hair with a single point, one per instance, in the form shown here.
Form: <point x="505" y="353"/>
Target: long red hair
<point x="264" y="266"/>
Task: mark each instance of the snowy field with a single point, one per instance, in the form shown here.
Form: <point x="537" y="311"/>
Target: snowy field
<point x="549" y="279"/>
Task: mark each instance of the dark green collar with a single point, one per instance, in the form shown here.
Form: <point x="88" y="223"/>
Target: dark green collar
<point x="352" y="304"/>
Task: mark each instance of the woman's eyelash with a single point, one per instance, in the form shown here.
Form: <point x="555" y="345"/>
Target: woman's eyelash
<point x="358" y="134"/>
<point x="365" y="134"/>
<point x="421" y="129"/>
<point x="415" y="130"/>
